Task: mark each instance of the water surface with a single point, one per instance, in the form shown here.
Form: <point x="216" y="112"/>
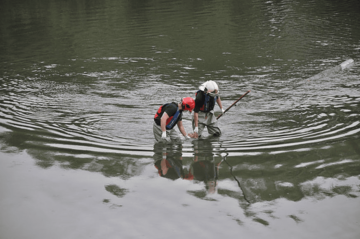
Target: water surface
<point x="81" y="81"/>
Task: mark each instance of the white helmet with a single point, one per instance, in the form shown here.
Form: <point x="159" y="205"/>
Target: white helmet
<point x="210" y="86"/>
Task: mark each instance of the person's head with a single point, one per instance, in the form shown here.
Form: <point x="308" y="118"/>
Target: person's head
<point x="210" y="87"/>
<point x="188" y="103"/>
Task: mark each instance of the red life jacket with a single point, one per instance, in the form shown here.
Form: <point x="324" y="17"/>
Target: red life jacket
<point x="172" y="120"/>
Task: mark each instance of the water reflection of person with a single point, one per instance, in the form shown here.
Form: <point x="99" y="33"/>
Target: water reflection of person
<point x="168" y="161"/>
<point x="204" y="168"/>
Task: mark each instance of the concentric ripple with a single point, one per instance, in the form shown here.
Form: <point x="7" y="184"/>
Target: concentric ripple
<point x="67" y="116"/>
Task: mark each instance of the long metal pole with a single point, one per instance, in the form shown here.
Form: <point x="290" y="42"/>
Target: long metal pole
<point x="233" y="104"/>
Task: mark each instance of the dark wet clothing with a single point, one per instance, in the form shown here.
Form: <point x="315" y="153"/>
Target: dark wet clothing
<point x="172" y="111"/>
<point x="204" y="102"/>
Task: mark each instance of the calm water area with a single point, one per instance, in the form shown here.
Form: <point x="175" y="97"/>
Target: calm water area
<point x="81" y="80"/>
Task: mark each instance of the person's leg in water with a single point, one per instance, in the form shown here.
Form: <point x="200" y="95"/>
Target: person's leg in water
<point x="174" y="136"/>
<point x="214" y="130"/>
<point x="157" y="132"/>
<point x="202" y="119"/>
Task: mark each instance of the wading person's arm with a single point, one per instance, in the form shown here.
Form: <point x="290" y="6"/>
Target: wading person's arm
<point x="182" y="129"/>
<point x="164" y="118"/>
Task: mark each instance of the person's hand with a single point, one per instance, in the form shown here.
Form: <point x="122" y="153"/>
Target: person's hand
<point x="223" y="111"/>
<point x="186" y="137"/>
<point x="196" y="130"/>
<point x="193" y="135"/>
<point x="163" y="135"/>
<point x="196" y="133"/>
<point x="211" y="112"/>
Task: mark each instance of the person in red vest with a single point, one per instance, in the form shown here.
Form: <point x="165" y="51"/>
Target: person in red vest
<point x="206" y="97"/>
<point x="169" y="115"/>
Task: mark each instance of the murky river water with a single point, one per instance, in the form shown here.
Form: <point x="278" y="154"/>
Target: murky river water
<point x="80" y="82"/>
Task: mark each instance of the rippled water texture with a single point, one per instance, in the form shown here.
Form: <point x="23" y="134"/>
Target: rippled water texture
<point x="80" y="82"/>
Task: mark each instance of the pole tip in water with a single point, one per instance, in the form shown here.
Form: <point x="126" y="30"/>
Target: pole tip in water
<point x="347" y="64"/>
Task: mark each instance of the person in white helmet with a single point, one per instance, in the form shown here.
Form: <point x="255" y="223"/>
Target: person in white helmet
<point x="169" y="115"/>
<point x="206" y="97"/>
